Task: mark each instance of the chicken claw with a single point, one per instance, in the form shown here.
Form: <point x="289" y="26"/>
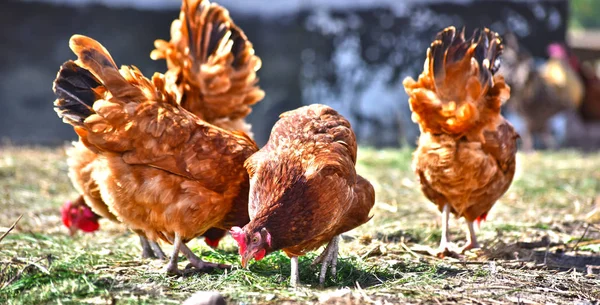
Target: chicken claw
<point x="444" y="249"/>
<point x="199" y="264"/>
<point x="195" y="261"/>
<point x="328" y="258"/>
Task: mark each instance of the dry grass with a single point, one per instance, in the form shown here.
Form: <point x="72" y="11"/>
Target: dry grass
<point x="535" y="249"/>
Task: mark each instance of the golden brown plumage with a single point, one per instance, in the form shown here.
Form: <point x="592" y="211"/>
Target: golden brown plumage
<point x="211" y="64"/>
<point x="195" y="27"/>
<point x="465" y="159"/>
<point x="81" y="163"/>
<point x="160" y="169"/>
<point x="304" y="190"/>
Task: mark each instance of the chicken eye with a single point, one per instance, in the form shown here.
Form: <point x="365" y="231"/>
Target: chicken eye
<point x="254" y="239"/>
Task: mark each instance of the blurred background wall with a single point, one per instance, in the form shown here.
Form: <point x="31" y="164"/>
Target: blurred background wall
<point x="350" y="54"/>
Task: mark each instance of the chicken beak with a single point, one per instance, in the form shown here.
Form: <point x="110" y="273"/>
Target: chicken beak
<point x="72" y="230"/>
<point x="245" y="258"/>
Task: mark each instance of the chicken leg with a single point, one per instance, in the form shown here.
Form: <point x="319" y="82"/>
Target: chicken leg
<point x="151" y="249"/>
<point x="200" y="265"/>
<point x="294" y="275"/>
<point x="444" y="248"/>
<point x="147" y="251"/>
<point x="158" y="252"/>
<point x="171" y="267"/>
<point x="471" y="238"/>
<point x="328" y="258"/>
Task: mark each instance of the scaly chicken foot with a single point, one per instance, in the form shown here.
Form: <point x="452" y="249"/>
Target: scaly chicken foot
<point x="328" y="259"/>
<point x="171" y="267"/>
<point x="471" y="239"/>
<point x="199" y="264"/>
<point x="294" y="275"/>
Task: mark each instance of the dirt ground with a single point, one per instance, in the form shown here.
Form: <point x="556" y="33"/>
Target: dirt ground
<point x="541" y="245"/>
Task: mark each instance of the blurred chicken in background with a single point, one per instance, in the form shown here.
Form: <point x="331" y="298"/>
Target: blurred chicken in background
<point x="589" y="108"/>
<point x="539" y="92"/>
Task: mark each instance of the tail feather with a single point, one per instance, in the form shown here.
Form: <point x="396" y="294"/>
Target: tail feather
<point x="76" y="89"/>
<point x="94" y="57"/>
<point x="79" y="84"/>
<point x="450" y="49"/>
<point x="213" y="62"/>
<point x="458" y="91"/>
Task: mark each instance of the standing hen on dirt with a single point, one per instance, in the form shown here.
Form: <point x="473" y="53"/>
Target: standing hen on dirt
<point x="465" y="158"/>
<point x="212" y="72"/>
<point x="304" y="190"/>
<point x="161" y="170"/>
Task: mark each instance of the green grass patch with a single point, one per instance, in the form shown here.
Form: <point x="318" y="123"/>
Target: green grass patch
<point x="551" y="194"/>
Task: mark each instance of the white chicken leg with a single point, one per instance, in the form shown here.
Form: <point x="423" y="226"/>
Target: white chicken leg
<point x="294" y="275"/>
<point x="471" y="238"/>
<point x="444" y="248"/>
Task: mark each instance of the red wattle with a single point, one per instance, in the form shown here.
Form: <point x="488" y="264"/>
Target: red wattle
<point x="260" y="254"/>
<point x="213" y="243"/>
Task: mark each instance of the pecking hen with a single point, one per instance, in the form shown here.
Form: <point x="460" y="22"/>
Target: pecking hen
<point x="304" y="190"/>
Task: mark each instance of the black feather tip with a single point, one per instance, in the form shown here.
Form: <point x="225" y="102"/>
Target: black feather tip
<point x="74" y="89"/>
<point x="450" y="46"/>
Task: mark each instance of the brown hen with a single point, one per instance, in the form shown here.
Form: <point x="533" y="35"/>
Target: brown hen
<point x="465" y="158"/>
<point x="304" y="190"/>
<point x="160" y="169"/>
<point x="222" y="48"/>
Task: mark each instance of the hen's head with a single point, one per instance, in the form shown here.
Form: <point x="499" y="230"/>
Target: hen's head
<point x="254" y="244"/>
<point x="78" y="216"/>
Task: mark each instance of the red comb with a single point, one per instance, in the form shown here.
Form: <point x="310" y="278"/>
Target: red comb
<point x="238" y="234"/>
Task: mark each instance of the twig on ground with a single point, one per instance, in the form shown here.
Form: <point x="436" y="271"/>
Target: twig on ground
<point x="407" y="249"/>
<point x="587" y="227"/>
<point x="11" y="228"/>
<point x="546" y="254"/>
